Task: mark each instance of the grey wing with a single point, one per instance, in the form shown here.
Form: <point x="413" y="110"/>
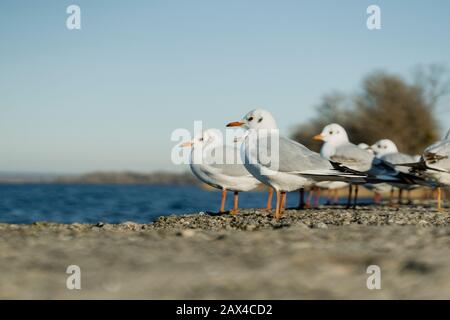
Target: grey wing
<point x="353" y="157"/>
<point x="398" y="158"/>
<point x="229" y="161"/>
<point x="438" y="155"/>
<point x="294" y="157"/>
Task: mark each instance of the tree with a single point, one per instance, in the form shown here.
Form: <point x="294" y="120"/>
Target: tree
<point x="434" y="81"/>
<point x="388" y="107"/>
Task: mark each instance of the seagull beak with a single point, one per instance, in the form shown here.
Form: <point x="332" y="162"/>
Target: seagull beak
<point x="318" y="137"/>
<point x="186" y="144"/>
<point x="235" y="124"/>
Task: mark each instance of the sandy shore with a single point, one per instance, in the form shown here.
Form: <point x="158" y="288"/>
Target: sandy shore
<point x="306" y="255"/>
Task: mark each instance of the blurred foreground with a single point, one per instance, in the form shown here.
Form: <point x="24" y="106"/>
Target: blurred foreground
<point x="310" y="254"/>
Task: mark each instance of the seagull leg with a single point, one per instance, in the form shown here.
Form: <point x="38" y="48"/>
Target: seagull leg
<point x="355" y="200"/>
<point x="269" y="199"/>
<point x="301" y="200"/>
<point x="277" y="205"/>
<point x="349" y="200"/>
<point x="377" y="198"/>
<point x="317" y="200"/>
<point x="222" y="203"/>
<point x="439" y="192"/>
<point x="235" y="203"/>
<point x="283" y="202"/>
<point x="391" y="197"/>
<point x="400" y="196"/>
<point x="308" y="200"/>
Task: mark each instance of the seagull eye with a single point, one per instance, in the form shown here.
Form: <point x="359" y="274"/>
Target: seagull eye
<point x="201" y="139"/>
<point x="331" y="132"/>
<point x="260" y="119"/>
<point x="250" y="119"/>
<point x="379" y="146"/>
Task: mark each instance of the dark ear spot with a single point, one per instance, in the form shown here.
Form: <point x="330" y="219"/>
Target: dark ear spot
<point x="260" y="119"/>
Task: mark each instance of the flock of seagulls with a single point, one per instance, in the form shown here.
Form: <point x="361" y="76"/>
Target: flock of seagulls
<point x="341" y="163"/>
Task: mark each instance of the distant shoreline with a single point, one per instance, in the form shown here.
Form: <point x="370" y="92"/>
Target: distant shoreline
<point x="103" y="177"/>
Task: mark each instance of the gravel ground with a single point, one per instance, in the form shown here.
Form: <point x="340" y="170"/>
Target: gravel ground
<point x="309" y="254"/>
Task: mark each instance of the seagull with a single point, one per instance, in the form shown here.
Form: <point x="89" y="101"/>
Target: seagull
<point x="338" y="148"/>
<point x="377" y="188"/>
<point x="434" y="164"/>
<point x="387" y="150"/>
<point x="292" y="168"/>
<point x="365" y="146"/>
<point x="214" y="163"/>
<point x="328" y="185"/>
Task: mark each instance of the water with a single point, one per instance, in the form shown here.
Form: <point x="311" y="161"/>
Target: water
<point x="27" y="203"/>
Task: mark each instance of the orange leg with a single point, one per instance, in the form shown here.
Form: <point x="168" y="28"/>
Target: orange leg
<point x="222" y="203"/>
<point x="439" y="198"/>
<point x="316" y="201"/>
<point x="377" y="198"/>
<point x="236" y="201"/>
<point x="269" y="199"/>
<point x="277" y="206"/>
<point x="308" y="200"/>
<point x="283" y="201"/>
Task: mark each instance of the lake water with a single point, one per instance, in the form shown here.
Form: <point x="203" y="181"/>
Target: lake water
<point x="27" y="203"/>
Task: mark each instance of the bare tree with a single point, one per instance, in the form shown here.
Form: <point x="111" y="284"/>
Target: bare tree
<point x="386" y="106"/>
<point x="434" y="81"/>
<point x="389" y="107"/>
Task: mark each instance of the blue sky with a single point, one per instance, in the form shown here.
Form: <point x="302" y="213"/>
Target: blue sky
<point x="109" y="95"/>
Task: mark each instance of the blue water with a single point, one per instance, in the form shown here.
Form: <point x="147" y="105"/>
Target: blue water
<point x="84" y="203"/>
<point x="27" y="203"/>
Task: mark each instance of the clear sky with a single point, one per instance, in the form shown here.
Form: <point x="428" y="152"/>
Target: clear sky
<point x="109" y="95"/>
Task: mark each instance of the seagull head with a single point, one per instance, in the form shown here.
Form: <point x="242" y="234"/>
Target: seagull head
<point x="334" y="134"/>
<point x="256" y="119"/>
<point x="209" y="137"/>
<point x="384" y="146"/>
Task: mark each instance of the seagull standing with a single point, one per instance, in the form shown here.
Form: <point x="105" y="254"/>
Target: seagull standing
<point x="435" y="165"/>
<point x="387" y="150"/>
<point x="377" y="188"/>
<point x="292" y="168"/>
<point x="226" y="174"/>
<point x="339" y="149"/>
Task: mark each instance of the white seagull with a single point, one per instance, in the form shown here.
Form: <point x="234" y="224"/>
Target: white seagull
<point x="387" y="150"/>
<point x="339" y="149"/>
<point x="292" y="168"/>
<point x="435" y="165"/>
<point x="216" y="165"/>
